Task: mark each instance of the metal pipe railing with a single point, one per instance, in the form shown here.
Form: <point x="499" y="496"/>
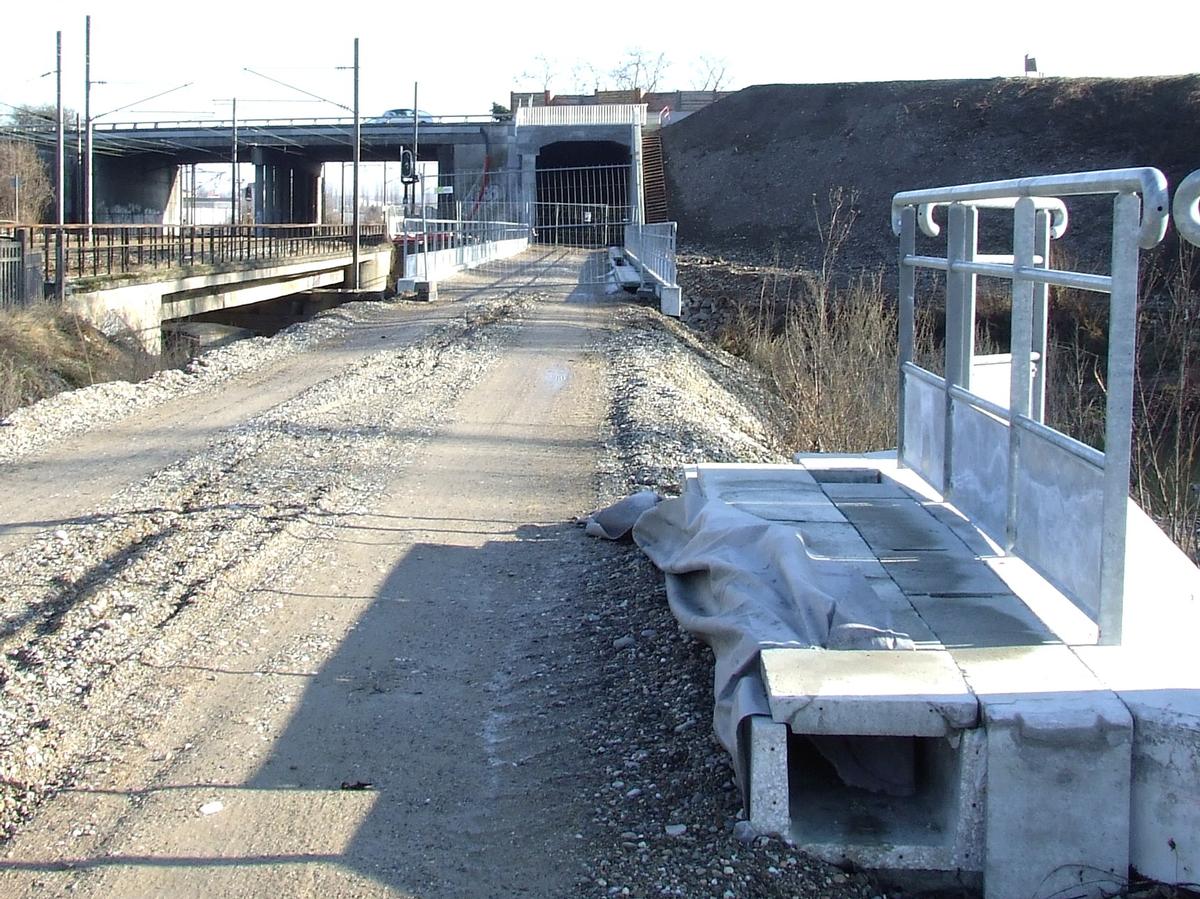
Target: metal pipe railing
<point x="652" y="248"/>
<point x="105" y="250"/>
<point x="1139" y="222"/>
<point x="1186" y="209"/>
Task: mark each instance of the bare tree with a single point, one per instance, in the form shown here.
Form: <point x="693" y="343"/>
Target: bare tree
<point x="640" y="70"/>
<point x="586" y="77"/>
<point x="25" y="190"/>
<point x="711" y="73"/>
<point x="542" y="71"/>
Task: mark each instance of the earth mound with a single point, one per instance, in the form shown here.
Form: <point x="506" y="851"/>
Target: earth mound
<point x="744" y="174"/>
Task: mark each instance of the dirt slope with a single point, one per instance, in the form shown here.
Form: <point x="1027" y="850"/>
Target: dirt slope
<point x="783" y="145"/>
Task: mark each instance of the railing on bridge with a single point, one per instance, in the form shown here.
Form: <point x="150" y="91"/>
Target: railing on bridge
<point x="106" y="250"/>
<point x="1032" y="488"/>
<point x="602" y="114"/>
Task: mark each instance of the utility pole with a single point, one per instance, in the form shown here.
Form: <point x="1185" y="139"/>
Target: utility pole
<point x="235" y="182"/>
<point x="59" y="279"/>
<point x="357" y="159"/>
<point x="87" y="119"/>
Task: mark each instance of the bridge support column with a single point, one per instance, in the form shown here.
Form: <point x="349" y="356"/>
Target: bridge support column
<point x="286" y="189"/>
<point x="136" y="189"/>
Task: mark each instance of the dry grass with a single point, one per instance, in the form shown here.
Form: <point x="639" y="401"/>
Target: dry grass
<point x="833" y="358"/>
<point x="44" y="351"/>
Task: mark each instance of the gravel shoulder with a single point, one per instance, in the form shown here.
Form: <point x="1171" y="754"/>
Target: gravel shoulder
<point x="357" y="645"/>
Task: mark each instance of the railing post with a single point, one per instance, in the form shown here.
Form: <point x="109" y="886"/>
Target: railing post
<point x="1118" y="424"/>
<point x="907" y="316"/>
<point x="1041" y="318"/>
<point x="1020" y="350"/>
<point x="962" y="240"/>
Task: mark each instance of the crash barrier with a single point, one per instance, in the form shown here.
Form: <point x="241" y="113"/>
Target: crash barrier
<point x="652" y="249"/>
<point x="994" y="458"/>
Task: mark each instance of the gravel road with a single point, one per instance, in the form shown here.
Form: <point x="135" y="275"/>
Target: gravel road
<point x="315" y="617"/>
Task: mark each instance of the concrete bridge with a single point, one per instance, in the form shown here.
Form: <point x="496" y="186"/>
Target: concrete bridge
<point x="136" y="170"/>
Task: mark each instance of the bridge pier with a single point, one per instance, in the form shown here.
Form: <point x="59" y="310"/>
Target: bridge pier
<point x="136" y="190"/>
<point x="287" y="190"/>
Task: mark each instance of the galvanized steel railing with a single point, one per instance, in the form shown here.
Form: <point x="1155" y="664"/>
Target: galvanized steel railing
<point x="652" y="247"/>
<point x="1186" y="208"/>
<point x="103" y="250"/>
<point x="600" y="114"/>
<point x="1032" y="488"/>
<point x="434" y="248"/>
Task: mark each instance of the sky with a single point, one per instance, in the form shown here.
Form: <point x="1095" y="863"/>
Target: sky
<point x="467" y="54"/>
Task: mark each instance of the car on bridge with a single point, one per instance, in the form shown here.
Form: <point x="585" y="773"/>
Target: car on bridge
<point x="402" y="116"/>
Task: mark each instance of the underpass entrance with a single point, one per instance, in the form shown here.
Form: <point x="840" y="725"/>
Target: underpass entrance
<point x="583" y="194"/>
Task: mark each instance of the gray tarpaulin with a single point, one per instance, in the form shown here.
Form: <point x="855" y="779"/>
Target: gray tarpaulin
<point x="740" y="584"/>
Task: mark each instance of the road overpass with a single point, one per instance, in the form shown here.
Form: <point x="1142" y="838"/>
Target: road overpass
<point x="137" y="164"/>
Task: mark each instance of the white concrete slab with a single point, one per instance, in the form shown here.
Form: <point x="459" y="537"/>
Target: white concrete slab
<point x="867" y="692"/>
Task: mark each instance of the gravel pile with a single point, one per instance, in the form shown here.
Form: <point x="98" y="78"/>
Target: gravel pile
<point x="667" y="816"/>
<point x="678" y="399"/>
<point x="32" y="428"/>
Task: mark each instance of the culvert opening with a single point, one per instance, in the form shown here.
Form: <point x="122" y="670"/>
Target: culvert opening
<point x="826" y="810"/>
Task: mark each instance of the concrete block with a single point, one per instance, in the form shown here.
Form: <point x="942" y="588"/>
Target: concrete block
<point x="1162" y="692"/>
<point x="867" y="692"/>
<point x="902" y="525"/>
<point x="425" y="291"/>
<point x="1058" y="773"/>
<point x="940" y="573"/>
<point x="798" y="506"/>
<point x="670" y="301"/>
<point x="733" y="481"/>
<point x="769" y="776"/>
<point x="985" y="620"/>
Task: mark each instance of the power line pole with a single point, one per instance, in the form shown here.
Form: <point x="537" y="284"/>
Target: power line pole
<point x="235" y="185"/>
<point x="60" y="146"/>
<point x="87" y="119"/>
<point x="357" y="158"/>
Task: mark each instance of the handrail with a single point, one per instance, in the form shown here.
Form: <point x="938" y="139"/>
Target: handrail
<point x="1140" y="212"/>
<point x="1149" y="183"/>
<point x="1186" y="209"/>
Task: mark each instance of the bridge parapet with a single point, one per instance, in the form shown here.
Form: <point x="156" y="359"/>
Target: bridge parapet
<point x="607" y="114"/>
<point x="107" y="251"/>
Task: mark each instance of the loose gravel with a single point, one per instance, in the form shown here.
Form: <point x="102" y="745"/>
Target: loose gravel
<point x="94" y="611"/>
<point x="91" y="609"/>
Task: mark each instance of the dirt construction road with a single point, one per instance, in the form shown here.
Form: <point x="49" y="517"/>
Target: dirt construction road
<point x="333" y="685"/>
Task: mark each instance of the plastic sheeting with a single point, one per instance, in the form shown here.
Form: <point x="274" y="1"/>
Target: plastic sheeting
<point x="742" y="584"/>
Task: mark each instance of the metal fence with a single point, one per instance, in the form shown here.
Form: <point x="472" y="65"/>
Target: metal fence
<point x="103" y="250"/>
<point x="600" y="114"/>
<point x="12" y="272"/>
<point x="1030" y="487"/>
<point x="652" y="247"/>
<point x="435" y="248"/>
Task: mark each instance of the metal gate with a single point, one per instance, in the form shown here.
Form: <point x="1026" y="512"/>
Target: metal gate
<point x="585" y="207"/>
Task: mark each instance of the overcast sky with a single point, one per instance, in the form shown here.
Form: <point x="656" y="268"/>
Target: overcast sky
<point x="467" y="54"/>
